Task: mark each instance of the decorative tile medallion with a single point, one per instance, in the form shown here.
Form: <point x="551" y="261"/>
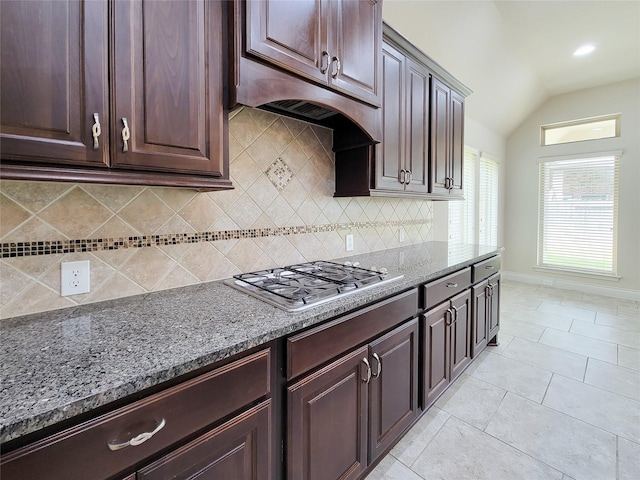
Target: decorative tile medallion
<point x="279" y="173"/>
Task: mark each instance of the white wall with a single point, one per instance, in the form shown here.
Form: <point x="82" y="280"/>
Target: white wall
<point x="521" y="201"/>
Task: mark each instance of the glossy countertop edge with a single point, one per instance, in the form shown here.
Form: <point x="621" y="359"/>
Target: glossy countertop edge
<point x="63" y="363"/>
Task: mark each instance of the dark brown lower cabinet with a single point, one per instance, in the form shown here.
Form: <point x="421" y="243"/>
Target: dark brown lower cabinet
<point x="371" y="393"/>
<point x="446" y="344"/>
<point x="239" y="449"/>
<point x="485" y="314"/>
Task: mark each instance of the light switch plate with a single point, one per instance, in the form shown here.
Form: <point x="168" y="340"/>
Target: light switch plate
<point x="75" y="278"/>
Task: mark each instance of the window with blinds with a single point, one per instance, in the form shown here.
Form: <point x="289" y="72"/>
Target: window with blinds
<point x="475" y="219"/>
<point x="578" y="214"/>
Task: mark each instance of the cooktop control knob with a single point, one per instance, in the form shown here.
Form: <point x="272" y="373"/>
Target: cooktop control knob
<point x="356" y="264"/>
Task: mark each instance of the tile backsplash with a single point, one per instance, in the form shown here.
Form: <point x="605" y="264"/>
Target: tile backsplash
<point x="144" y="239"/>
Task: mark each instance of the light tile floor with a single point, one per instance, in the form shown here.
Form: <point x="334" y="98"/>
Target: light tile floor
<point x="558" y="399"/>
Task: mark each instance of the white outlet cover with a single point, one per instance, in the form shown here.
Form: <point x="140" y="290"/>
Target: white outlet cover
<point x="349" y="242"/>
<point x="75" y="278"/>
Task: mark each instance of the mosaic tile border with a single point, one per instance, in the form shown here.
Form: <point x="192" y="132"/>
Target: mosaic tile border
<point x="53" y="247"/>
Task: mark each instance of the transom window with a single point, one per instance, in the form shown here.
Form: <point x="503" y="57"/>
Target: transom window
<point x="607" y="126"/>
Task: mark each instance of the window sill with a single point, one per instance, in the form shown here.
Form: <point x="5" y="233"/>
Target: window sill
<point x="579" y="273"/>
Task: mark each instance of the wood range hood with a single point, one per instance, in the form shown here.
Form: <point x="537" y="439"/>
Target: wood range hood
<point x="354" y="123"/>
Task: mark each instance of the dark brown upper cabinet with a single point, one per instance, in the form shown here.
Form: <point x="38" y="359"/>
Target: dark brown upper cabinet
<point x="333" y="42"/>
<point x="447" y="139"/>
<point x="54" y="82"/>
<point x="128" y="92"/>
<point x="422" y="122"/>
<point x="402" y="161"/>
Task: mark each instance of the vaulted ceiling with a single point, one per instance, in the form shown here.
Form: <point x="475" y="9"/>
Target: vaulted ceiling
<point x="515" y="54"/>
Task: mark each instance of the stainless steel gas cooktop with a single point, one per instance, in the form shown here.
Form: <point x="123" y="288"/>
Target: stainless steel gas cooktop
<point x="305" y="285"/>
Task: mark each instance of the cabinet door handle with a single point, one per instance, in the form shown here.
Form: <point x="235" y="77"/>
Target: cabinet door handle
<point x="126" y="134"/>
<point x="96" y="131"/>
<point x="450" y="183"/>
<point x="409" y="173"/>
<point x="455" y="313"/>
<point x="336" y="63"/>
<point x="379" y="369"/>
<point x="489" y="267"/>
<point x="449" y="318"/>
<point x="368" y="378"/>
<point x="403" y="175"/>
<point x="324" y="63"/>
<point x="451" y="285"/>
<point x="138" y="439"/>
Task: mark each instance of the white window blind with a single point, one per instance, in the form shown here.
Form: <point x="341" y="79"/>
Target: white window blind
<point x="488" y="201"/>
<point x="578" y="214"/>
<point x="462" y="213"/>
<point x="475" y="220"/>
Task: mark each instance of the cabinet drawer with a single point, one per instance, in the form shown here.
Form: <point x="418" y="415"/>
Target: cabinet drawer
<point x="83" y="451"/>
<point x="485" y="269"/>
<point x="435" y="292"/>
<point x="320" y="344"/>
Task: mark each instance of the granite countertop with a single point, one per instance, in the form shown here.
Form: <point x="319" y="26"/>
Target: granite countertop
<point x="62" y="363"/>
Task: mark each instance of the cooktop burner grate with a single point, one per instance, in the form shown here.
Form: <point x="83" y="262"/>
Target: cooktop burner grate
<point x="306" y="284"/>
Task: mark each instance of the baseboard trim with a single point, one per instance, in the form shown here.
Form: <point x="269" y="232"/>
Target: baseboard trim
<point x="570" y="285"/>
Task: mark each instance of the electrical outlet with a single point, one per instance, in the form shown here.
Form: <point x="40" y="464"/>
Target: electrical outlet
<point x="75" y="278"/>
<point x="401" y="234"/>
<point x="348" y="240"/>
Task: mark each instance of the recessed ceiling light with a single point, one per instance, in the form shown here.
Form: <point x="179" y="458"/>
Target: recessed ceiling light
<point x="584" y="50"/>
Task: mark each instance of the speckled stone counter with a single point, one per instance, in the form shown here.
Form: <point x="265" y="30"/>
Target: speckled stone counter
<point x="58" y="364"/>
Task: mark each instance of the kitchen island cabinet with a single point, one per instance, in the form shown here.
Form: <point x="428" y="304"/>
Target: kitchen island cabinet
<point x="137" y="99"/>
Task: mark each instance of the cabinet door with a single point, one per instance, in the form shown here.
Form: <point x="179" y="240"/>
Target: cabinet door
<point x="356" y="44"/>
<point x="291" y="34"/>
<point x="239" y="449"/>
<point x="460" y="333"/>
<point x="416" y="159"/>
<point x="436" y="334"/>
<point x="494" y="300"/>
<point x="327" y="421"/>
<point x="54" y="79"/>
<point x="440" y="148"/>
<point x="168" y="86"/>
<point x="457" y="142"/>
<point x="390" y="161"/>
<point x="479" y="317"/>
<point x="394" y="386"/>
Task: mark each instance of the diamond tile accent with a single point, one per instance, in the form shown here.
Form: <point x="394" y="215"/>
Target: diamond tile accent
<point x="279" y="173"/>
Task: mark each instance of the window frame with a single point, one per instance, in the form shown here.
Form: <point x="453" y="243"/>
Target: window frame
<point x="617" y="117"/>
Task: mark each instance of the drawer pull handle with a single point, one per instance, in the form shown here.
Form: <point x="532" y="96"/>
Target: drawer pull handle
<point x="452" y="285"/>
<point x="379" y="370"/>
<point x="366" y="362"/>
<point x="489" y="267"/>
<point x="138" y="439"/>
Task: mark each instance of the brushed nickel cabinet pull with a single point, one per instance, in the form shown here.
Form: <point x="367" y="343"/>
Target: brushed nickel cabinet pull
<point x="403" y="175"/>
<point x="324" y="64"/>
<point x="455" y="313"/>
<point x="489" y="267"/>
<point x="449" y="318"/>
<point x="96" y="131"/>
<point x="138" y="439"/>
<point x="336" y="62"/>
<point x="409" y="173"/>
<point x="126" y="134"/>
<point x="451" y="285"/>
<point x="366" y="362"/>
<point x="379" y="370"/>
